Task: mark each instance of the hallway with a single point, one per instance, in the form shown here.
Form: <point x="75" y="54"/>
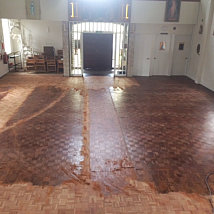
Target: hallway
<point x="104" y="145"/>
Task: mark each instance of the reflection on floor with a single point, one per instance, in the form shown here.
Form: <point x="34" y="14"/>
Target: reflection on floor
<point x="104" y="145"/>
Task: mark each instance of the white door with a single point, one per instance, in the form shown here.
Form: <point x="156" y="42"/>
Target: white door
<point x="162" y="57"/>
<point x="142" y="54"/>
<point x="181" y="54"/>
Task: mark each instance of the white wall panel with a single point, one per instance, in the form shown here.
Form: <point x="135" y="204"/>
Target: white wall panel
<point x="143" y="54"/>
<point x="3" y="69"/>
<point x="145" y="39"/>
<point x="12" y="9"/>
<point x="208" y="68"/>
<point x="154" y="12"/>
<point x="44" y="33"/>
<point x="54" y="10"/>
<point x="147" y="11"/>
<point x="189" y="12"/>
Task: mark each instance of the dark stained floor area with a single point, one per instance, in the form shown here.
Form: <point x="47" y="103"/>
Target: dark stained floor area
<point x="158" y="129"/>
<point x="43" y="149"/>
<point x="168" y="124"/>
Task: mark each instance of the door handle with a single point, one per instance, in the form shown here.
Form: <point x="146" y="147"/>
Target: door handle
<point x="155" y="58"/>
<point x="148" y="58"/>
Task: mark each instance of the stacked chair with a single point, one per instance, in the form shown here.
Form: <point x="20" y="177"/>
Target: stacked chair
<point x="46" y="62"/>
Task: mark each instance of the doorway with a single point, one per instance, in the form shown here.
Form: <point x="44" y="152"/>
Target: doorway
<point x="97" y="53"/>
<point x="162" y="55"/>
<point x="143" y="52"/>
<point x="182" y="47"/>
<point x="118" y="44"/>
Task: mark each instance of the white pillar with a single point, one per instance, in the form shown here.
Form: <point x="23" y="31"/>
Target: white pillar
<point x="66" y="49"/>
<point x="131" y="50"/>
<point x="206" y="36"/>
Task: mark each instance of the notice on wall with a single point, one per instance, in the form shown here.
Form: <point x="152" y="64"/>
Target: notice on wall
<point x="33" y="9"/>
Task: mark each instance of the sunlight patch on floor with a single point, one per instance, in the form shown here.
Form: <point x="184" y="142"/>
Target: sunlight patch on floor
<point x="11" y="103"/>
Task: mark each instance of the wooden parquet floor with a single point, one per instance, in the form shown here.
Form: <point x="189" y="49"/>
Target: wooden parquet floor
<point x="104" y="145"/>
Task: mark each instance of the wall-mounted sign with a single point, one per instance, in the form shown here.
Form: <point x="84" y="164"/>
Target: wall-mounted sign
<point x="33" y="9"/>
<point x="181" y="46"/>
<point x="200" y="29"/>
<point x="172" y="11"/>
<point x="162" y="46"/>
<point x="198" y="49"/>
<point x="99" y="11"/>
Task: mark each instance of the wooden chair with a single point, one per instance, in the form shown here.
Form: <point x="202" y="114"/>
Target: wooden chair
<point x="59" y="65"/>
<point x="51" y="65"/>
<point x="40" y="63"/>
<point x="60" y="54"/>
<point x="30" y="64"/>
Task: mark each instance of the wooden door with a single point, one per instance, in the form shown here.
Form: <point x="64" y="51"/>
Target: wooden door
<point x="97" y="51"/>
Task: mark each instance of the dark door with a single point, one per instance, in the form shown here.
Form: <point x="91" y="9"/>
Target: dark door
<point x="97" y="51"/>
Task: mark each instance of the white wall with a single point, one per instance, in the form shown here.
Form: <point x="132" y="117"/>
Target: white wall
<point x="142" y="11"/>
<point x="1" y="31"/>
<point x="154" y="12"/>
<point x="44" y="33"/>
<point x="198" y="38"/>
<point x="56" y="10"/>
<point x="144" y="44"/>
<point x="207" y="77"/>
<point x="143" y="48"/>
<point x="148" y="17"/>
<point x="3" y="67"/>
<point x="164" y="28"/>
<point x="12" y="9"/>
<point x="202" y="66"/>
